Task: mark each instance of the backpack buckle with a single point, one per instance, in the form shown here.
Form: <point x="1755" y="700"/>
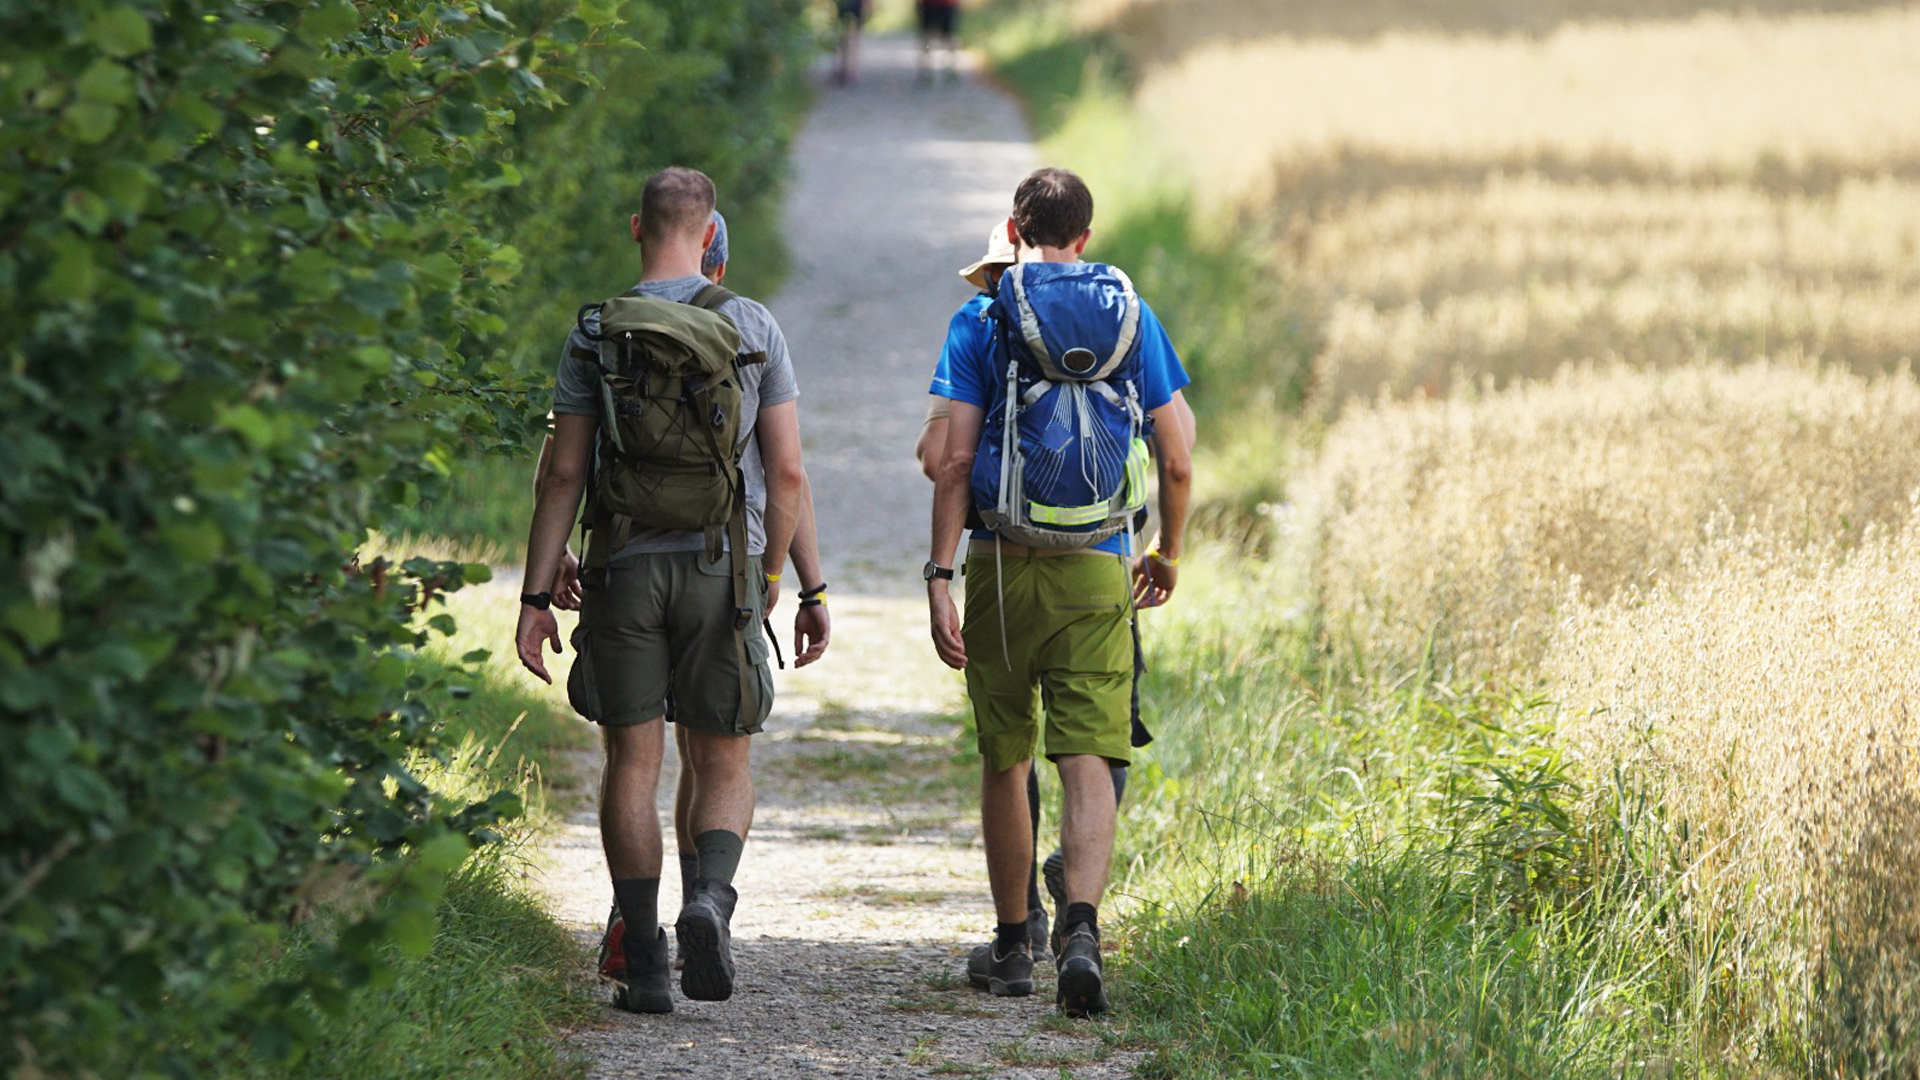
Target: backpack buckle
<point x="742" y="618"/>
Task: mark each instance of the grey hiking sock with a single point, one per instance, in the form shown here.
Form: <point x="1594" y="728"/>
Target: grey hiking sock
<point x="689" y="869"/>
<point x="639" y="902"/>
<point x="719" y="854"/>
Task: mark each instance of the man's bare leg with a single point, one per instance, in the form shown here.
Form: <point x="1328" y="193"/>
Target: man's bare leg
<point x="1086" y="825"/>
<point x="683" y="796"/>
<point x="720" y="815"/>
<point x="630" y="834"/>
<point x="1005" y="967"/>
<point x="1006" y="826"/>
<point x="1086" y="838"/>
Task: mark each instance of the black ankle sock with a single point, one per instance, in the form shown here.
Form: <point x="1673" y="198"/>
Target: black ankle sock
<point x="689" y="869"/>
<point x="719" y="854"/>
<point x="639" y="900"/>
<point x="1009" y="936"/>
<point x="1081" y="913"/>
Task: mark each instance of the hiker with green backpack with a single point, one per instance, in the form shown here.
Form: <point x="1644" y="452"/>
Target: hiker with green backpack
<point x="675" y="416"/>
<point x="1057" y="414"/>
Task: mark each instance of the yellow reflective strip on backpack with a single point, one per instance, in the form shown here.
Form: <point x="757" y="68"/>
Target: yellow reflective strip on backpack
<point x="1068" y="515"/>
<point x="1136" y="489"/>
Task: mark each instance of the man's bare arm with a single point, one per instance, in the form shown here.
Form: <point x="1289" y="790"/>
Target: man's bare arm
<point x="1154" y="579"/>
<point x="950" y="492"/>
<point x="562" y="481"/>
<point x="778" y="430"/>
<point x="927" y="450"/>
<point x="812" y="627"/>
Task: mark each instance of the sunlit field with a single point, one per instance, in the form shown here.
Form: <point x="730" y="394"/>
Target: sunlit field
<point x="1592" y="586"/>
<point x="1492" y="189"/>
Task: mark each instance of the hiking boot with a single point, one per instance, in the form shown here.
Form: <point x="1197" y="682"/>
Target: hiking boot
<point x="648" y="983"/>
<point x="706" y="941"/>
<point x="613" y="958"/>
<point x="1039" y="942"/>
<point x="1002" y="976"/>
<point x="1081" y="992"/>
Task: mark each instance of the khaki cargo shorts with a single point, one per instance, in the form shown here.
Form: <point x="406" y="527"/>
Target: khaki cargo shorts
<point x="665" y="623"/>
<point x="1063" y="675"/>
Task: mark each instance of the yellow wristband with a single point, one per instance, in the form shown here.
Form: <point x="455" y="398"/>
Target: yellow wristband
<point x="773" y="577"/>
<point x="1156" y="554"/>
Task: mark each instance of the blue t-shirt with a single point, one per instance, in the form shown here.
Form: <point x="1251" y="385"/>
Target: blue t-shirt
<point x="965" y="373"/>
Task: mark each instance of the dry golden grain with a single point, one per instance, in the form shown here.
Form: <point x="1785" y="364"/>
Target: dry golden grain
<point x="1770" y="692"/>
<point x="1465" y="522"/>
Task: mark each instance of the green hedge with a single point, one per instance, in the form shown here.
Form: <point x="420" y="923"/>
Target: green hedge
<point x="717" y="85"/>
<point x="266" y="266"/>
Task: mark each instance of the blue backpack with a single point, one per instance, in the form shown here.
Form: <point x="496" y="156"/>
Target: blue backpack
<point x="1062" y="461"/>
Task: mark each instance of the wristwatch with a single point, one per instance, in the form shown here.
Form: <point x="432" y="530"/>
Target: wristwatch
<point x="935" y="570"/>
<point x="540" y="601"/>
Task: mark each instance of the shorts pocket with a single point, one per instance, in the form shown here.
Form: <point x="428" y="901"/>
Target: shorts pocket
<point x="583" y="689"/>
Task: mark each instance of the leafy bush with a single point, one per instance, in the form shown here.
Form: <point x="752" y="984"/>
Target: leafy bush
<point x="254" y="304"/>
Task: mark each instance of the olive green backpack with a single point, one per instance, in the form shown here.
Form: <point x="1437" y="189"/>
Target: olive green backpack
<point x="669" y="452"/>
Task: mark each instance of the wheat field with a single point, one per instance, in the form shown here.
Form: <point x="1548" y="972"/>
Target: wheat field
<point x="1490" y="189"/>
<point x="1613" y="310"/>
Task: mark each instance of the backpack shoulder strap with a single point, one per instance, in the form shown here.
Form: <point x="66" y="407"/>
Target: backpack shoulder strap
<point x="711" y="298"/>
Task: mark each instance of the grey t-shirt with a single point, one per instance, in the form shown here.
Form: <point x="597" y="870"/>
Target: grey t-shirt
<point x="576" y="391"/>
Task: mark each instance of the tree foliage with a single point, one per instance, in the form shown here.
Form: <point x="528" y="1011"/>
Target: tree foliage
<point x="256" y="281"/>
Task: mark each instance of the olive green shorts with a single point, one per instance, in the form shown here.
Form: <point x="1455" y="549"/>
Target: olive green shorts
<point x="665" y="622"/>
<point x="1067" y="656"/>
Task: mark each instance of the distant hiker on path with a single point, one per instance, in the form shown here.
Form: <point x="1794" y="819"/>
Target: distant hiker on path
<point x="969" y="332"/>
<point x="678" y="400"/>
<point x="851" y="16"/>
<point x="939" y="33"/>
<point x="1047" y="439"/>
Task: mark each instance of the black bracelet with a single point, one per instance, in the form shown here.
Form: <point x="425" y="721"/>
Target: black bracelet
<point x="817" y="590"/>
<point x="539" y="601"/>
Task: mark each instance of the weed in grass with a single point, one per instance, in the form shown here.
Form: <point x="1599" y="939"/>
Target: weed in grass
<point x="961" y="1068"/>
<point x="1047" y="1053"/>
<point x="940" y="1006"/>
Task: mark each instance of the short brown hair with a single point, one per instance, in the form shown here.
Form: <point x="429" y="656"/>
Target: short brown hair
<point x="1051" y="208"/>
<point x="675" y="200"/>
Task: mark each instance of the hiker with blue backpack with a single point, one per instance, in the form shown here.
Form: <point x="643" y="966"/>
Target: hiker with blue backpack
<point x="675" y="415"/>
<point x="971" y="328"/>
<point x="1048" y="434"/>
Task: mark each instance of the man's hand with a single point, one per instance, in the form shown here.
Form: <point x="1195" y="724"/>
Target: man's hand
<point x="811" y="629"/>
<point x="773" y="596"/>
<point x="1153" y="581"/>
<point x="537" y="628"/>
<point x="566" y="583"/>
<point x="946" y="625"/>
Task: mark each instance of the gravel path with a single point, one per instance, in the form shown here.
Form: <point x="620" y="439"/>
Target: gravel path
<point x="864" y="881"/>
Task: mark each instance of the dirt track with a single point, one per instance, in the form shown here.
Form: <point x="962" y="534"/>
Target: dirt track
<point x="864" y="882"/>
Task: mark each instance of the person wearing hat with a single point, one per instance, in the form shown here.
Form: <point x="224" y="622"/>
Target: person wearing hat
<point x="973" y="319"/>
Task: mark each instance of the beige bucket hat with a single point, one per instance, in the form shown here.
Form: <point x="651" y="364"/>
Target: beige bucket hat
<point x="999" y="253"/>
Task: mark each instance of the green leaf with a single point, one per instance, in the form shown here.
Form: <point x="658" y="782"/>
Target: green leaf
<point x="89" y="122"/>
<point x="106" y="82"/>
<point x="329" y="22"/>
<point x="250" y="424"/>
<point x="412" y="931"/>
<point x="477" y="572"/>
<point x="72" y="275"/>
<point x="120" y="32"/>
<point x="85" y="209"/>
<point x="38" y="626"/>
<point x="197" y="541"/>
<point x="476" y="656"/>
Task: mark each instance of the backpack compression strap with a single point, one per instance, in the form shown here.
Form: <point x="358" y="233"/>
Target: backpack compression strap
<point x="711" y="298"/>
